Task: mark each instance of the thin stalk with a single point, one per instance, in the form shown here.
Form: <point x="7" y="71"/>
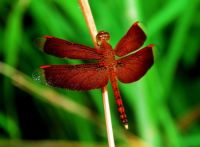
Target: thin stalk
<point x="85" y="7"/>
<point x="93" y="31"/>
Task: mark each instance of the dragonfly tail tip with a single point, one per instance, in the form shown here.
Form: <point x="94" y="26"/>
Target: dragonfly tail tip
<point x="126" y="126"/>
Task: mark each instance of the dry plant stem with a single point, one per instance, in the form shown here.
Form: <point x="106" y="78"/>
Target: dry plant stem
<point x="89" y="19"/>
<point x="108" y="117"/>
<point x="93" y="32"/>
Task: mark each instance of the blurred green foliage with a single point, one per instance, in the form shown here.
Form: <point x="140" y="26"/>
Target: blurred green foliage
<point x="162" y="107"/>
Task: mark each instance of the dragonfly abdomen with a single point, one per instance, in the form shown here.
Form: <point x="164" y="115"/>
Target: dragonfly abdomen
<point x="118" y="99"/>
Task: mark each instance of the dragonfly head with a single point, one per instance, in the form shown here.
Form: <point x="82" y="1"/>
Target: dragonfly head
<point x="102" y="36"/>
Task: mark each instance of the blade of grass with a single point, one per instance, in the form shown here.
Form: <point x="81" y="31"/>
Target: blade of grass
<point x="191" y="56"/>
<point x="11" y="46"/>
<point x="166" y="15"/>
<point x="176" y="46"/>
<point x="13" y="127"/>
<point x="172" y="57"/>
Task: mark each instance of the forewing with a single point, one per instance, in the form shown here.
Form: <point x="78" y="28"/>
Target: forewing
<point x="65" y="49"/>
<point x="133" y="40"/>
<point x="134" y="66"/>
<point x="76" y="77"/>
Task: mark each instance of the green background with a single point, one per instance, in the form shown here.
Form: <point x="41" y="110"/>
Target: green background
<point x="163" y="107"/>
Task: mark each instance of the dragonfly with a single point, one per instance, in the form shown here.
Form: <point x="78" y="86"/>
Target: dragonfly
<point x="132" y="63"/>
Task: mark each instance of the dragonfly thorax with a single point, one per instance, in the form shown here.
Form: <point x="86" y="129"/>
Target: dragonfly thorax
<point x="108" y="54"/>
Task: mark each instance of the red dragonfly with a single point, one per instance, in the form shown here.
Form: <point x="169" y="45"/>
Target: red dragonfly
<point x="128" y="68"/>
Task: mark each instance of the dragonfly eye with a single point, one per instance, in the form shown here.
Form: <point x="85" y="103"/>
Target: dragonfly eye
<point x="102" y="36"/>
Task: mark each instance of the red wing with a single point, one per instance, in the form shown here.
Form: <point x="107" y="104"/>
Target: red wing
<point x="134" y="66"/>
<point x="133" y="40"/>
<point x="65" y="49"/>
<point x="76" y="77"/>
